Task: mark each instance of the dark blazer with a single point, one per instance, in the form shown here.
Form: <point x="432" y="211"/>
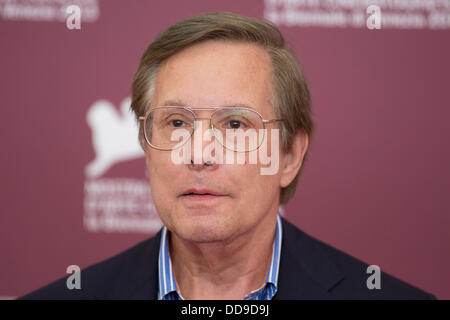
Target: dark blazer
<point x="309" y="269"/>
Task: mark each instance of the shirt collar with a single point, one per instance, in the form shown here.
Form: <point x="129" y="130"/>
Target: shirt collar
<point x="167" y="285"/>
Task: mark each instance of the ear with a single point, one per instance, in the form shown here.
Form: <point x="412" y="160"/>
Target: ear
<point x="293" y="160"/>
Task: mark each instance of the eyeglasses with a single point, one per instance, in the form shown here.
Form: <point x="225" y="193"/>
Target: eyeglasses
<point x="161" y="124"/>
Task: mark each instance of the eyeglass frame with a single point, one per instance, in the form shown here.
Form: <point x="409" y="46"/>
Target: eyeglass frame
<point x="191" y="110"/>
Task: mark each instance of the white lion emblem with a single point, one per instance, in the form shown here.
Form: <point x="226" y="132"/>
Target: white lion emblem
<point x="114" y="136"/>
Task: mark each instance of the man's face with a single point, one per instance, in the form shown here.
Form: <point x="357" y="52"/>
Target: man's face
<point x="214" y="74"/>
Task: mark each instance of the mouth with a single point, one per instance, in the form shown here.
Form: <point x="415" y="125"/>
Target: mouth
<point x="202" y="195"/>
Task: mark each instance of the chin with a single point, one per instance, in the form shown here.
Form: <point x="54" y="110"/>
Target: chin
<point x="204" y="237"/>
<point x="204" y="230"/>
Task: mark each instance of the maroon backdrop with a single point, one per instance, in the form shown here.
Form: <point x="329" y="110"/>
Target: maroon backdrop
<point x="376" y="183"/>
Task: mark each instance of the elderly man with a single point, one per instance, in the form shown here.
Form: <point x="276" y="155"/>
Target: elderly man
<point x="219" y="99"/>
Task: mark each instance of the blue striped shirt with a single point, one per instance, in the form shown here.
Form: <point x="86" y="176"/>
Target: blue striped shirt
<point x="168" y="288"/>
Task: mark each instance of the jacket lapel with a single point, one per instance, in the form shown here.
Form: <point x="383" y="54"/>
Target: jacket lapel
<point x="306" y="270"/>
<point x="146" y="272"/>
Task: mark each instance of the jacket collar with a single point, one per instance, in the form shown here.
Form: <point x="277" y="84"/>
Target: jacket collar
<point x="306" y="269"/>
<point x="144" y="272"/>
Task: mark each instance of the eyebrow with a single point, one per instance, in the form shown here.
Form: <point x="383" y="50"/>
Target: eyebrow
<point x="179" y="103"/>
<point x="176" y="103"/>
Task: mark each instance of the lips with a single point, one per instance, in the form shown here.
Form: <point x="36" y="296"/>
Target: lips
<point x="193" y="194"/>
<point x="201" y="192"/>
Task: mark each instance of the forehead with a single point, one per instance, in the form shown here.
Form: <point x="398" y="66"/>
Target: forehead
<point x="216" y="73"/>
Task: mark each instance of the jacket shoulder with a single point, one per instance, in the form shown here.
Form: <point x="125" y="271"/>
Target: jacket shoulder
<point x="340" y="275"/>
<point x="131" y="274"/>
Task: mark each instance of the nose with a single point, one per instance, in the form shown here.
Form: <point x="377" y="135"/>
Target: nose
<point x="203" y="146"/>
<point x="207" y="163"/>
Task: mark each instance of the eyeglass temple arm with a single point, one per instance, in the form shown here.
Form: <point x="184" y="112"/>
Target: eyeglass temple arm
<point x="273" y="120"/>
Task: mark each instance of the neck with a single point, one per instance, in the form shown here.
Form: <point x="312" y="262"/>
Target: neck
<point x="228" y="269"/>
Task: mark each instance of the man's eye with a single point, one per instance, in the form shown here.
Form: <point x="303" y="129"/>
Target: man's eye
<point x="235" y="124"/>
<point x="177" y="123"/>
